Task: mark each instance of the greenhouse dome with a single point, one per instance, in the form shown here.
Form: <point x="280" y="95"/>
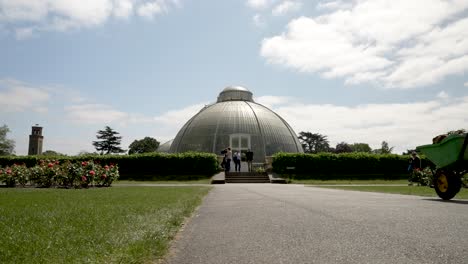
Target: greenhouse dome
<point x="236" y="121"/>
<point x="165" y="147"/>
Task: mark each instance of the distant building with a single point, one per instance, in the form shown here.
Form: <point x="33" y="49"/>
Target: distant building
<point x="235" y="121"/>
<point x="35" y="141"/>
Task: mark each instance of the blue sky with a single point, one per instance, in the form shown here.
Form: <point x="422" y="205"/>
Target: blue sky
<point x="356" y="71"/>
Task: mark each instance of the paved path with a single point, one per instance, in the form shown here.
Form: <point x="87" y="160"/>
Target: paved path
<point x="267" y="223"/>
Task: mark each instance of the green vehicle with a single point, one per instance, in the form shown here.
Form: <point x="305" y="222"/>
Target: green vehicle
<point x="450" y="157"/>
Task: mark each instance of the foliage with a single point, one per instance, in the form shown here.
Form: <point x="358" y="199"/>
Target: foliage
<point x="86" y="153"/>
<point x="145" y="145"/>
<point x="422" y="177"/>
<point x="7" y="146"/>
<point x="110" y="225"/>
<point x="109" y="141"/>
<point x="313" y="142"/>
<point x="49" y="173"/>
<point x="343" y="147"/>
<point x="361" y="147"/>
<point x="147" y="166"/>
<point x="51" y="153"/>
<point x="385" y="149"/>
<point x="354" y="165"/>
<point x="456" y="132"/>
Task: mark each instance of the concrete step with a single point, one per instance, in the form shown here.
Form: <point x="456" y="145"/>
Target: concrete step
<point x="247" y="181"/>
<point x="246" y="177"/>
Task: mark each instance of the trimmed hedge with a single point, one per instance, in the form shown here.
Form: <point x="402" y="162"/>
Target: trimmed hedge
<point x="148" y="166"/>
<point x="342" y="166"/>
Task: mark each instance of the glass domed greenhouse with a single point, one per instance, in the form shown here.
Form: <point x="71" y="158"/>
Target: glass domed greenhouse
<point x="235" y="120"/>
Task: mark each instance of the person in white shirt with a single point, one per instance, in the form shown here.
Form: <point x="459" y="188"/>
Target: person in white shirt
<point x="237" y="161"/>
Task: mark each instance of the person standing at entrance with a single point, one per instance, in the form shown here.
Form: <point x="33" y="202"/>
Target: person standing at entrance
<point x="237" y="161"/>
<point x="249" y="158"/>
<point x="228" y="160"/>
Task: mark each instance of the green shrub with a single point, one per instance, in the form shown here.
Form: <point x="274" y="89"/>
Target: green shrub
<point x="51" y="173"/>
<point x="341" y="166"/>
<point x="147" y="166"/>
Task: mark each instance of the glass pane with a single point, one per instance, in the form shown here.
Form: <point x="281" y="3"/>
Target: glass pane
<point x="244" y="142"/>
<point x="235" y="142"/>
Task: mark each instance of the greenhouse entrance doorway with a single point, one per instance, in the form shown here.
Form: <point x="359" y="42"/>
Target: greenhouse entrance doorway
<point x="240" y="143"/>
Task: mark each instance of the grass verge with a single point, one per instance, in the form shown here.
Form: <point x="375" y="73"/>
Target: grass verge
<point x="408" y="190"/>
<point x="338" y="182"/>
<point x="102" y="225"/>
<point x="200" y="181"/>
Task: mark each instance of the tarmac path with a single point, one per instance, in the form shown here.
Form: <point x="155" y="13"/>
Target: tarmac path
<point x="268" y="223"/>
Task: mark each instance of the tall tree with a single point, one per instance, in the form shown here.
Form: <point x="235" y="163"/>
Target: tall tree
<point x="7" y="146"/>
<point x="385" y="149"/>
<point x="148" y="144"/>
<point x="361" y="147"/>
<point x="109" y="141"/>
<point x="313" y="142"/>
<point x="343" y="147"/>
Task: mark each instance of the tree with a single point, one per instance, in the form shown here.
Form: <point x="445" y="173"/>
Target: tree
<point x="7" y="146"/>
<point x="51" y="153"/>
<point x="361" y="147"/>
<point x="385" y="149"/>
<point x="343" y="147"/>
<point x="313" y="142"/>
<point x="85" y="152"/>
<point x="110" y="142"/>
<point x="145" y="145"/>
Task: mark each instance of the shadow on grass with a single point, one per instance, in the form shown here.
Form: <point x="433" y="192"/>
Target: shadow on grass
<point x="447" y="201"/>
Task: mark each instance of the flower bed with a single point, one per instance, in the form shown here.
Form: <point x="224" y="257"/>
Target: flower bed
<point x="52" y="173"/>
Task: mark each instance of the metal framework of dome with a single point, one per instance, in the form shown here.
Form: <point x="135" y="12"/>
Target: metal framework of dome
<point x="236" y="121"/>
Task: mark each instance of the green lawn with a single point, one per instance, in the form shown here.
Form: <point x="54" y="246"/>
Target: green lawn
<point x="200" y="181"/>
<point x="409" y="190"/>
<point x="337" y="182"/>
<point x="101" y="225"/>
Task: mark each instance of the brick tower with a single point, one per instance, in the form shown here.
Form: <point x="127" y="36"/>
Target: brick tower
<point x="35" y="141"/>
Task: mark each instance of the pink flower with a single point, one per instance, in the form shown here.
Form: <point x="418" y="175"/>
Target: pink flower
<point x="50" y="165"/>
<point x="103" y="176"/>
<point x="83" y="178"/>
<point x="92" y="172"/>
<point x="8" y="171"/>
<point x="106" y="167"/>
<point x="57" y="162"/>
<point x="84" y="163"/>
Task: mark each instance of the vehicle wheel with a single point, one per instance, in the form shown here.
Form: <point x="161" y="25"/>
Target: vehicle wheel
<point x="446" y="184"/>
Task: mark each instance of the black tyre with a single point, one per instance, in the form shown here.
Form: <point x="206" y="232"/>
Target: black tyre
<point x="446" y="184"/>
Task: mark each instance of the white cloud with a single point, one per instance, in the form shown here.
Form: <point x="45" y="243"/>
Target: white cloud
<point x="286" y="7"/>
<point x="274" y="101"/>
<point x="258" y="4"/>
<point x="334" y="5"/>
<point x="258" y="21"/>
<point x="94" y="114"/>
<point x="123" y="8"/>
<point x="17" y="96"/>
<point x="404" y="126"/>
<point x="400" y="44"/>
<point x="177" y="118"/>
<point x="24" y="33"/>
<point x="442" y="95"/>
<point x="25" y="17"/>
<point x="149" y="10"/>
<point x="465" y="84"/>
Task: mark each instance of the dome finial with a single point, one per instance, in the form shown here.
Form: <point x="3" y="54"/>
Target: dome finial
<point x="235" y="93"/>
